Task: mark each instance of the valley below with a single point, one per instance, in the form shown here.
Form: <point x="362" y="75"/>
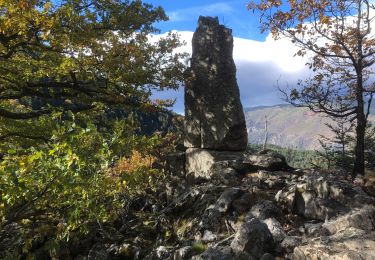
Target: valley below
<point x="288" y="126"/>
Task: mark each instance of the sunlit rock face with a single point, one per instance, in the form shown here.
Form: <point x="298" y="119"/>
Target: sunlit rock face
<point x="213" y="110"/>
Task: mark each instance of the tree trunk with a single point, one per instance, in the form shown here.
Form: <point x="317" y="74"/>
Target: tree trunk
<point x="359" y="163"/>
<point x="265" y="134"/>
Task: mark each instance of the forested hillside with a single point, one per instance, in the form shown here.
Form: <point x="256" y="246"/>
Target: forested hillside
<point x="289" y="126"/>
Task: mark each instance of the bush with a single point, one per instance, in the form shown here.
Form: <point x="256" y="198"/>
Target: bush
<point x="75" y="183"/>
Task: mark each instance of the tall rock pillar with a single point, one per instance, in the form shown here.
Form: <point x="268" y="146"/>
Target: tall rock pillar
<point x="214" y="119"/>
<point x="213" y="110"/>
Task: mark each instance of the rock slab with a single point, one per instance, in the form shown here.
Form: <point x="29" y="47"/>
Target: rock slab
<point x="214" y="117"/>
<point x="204" y="163"/>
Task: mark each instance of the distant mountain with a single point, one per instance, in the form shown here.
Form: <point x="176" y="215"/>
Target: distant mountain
<point x="288" y="126"/>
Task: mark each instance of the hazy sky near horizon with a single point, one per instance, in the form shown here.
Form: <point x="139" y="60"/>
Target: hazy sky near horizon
<point x="261" y="62"/>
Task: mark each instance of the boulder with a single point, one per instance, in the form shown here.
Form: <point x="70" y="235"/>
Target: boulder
<point x="186" y="199"/>
<point x="318" y="196"/>
<point x="265" y="209"/>
<point x="214" y="117"/>
<point x="204" y="164"/>
<point x="175" y="164"/>
<point x="211" y="219"/>
<point x="267" y="160"/>
<point x="11" y="239"/>
<point x="349" y="244"/>
<point x="348" y="236"/>
<point x="311" y="229"/>
<point x="227" y="197"/>
<point x="363" y="218"/>
<point x="212" y="215"/>
<point x="290" y="242"/>
<point x="276" y="229"/>
<point x="254" y="238"/>
<point x="243" y="203"/>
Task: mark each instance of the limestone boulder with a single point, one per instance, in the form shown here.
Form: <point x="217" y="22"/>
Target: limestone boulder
<point x="290" y="242"/>
<point x="211" y="217"/>
<point x="363" y="218"/>
<point x="349" y="244"/>
<point x="214" y="118"/>
<point x="227" y="197"/>
<point x="320" y="196"/>
<point x="264" y="210"/>
<point x="348" y="236"/>
<point x="204" y="163"/>
<point x="267" y="160"/>
<point x="175" y="164"/>
<point x="276" y="229"/>
<point x="254" y="238"/>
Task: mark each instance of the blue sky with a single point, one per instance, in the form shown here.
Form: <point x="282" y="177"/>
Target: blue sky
<point x="233" y="14"/>
<point x="261" y="62"/>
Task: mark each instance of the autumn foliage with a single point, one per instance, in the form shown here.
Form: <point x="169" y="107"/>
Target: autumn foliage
<point x="337" y="38"/>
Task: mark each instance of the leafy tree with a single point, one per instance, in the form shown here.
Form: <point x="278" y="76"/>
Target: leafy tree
<point x="338" y="35"/>
<point x="66" y="67"/>
<point x="327" y="154"/>
<point x="79" y="56"/>
<point x="75" y="185"/>
<point x="338" y="150"/>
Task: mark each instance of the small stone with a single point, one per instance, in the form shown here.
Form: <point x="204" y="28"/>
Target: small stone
<point x="208" y="236"/>
<point x="162" y="252"/>
<point x="290" y="242"/>
<point x="210" y="218"/>
<point x="183" y="253"/>
<point x="267" y="256"/>
<point x="312" y="228"/>
<point x="98" y="252"/>
<point x="222" y="253"/>
<point x="243" y="203"/>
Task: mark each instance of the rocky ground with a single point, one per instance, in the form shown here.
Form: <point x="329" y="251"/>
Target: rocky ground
<point x="243" y="211"/>
<point x="263" y="214"/>
<point x="246" y="211"/>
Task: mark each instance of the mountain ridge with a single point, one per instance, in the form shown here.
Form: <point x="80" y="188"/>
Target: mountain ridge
<point x="289" y="126"/>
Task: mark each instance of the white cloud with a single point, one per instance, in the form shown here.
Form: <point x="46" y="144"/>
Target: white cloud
<point x="261" y="65"/>
<point x="280" y="53"/>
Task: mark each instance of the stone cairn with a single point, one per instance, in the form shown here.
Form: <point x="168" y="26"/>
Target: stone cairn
<point x="215" y="127"/>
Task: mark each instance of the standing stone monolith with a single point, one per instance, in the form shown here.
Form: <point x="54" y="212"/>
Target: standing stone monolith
<point x="214" y="117"/>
